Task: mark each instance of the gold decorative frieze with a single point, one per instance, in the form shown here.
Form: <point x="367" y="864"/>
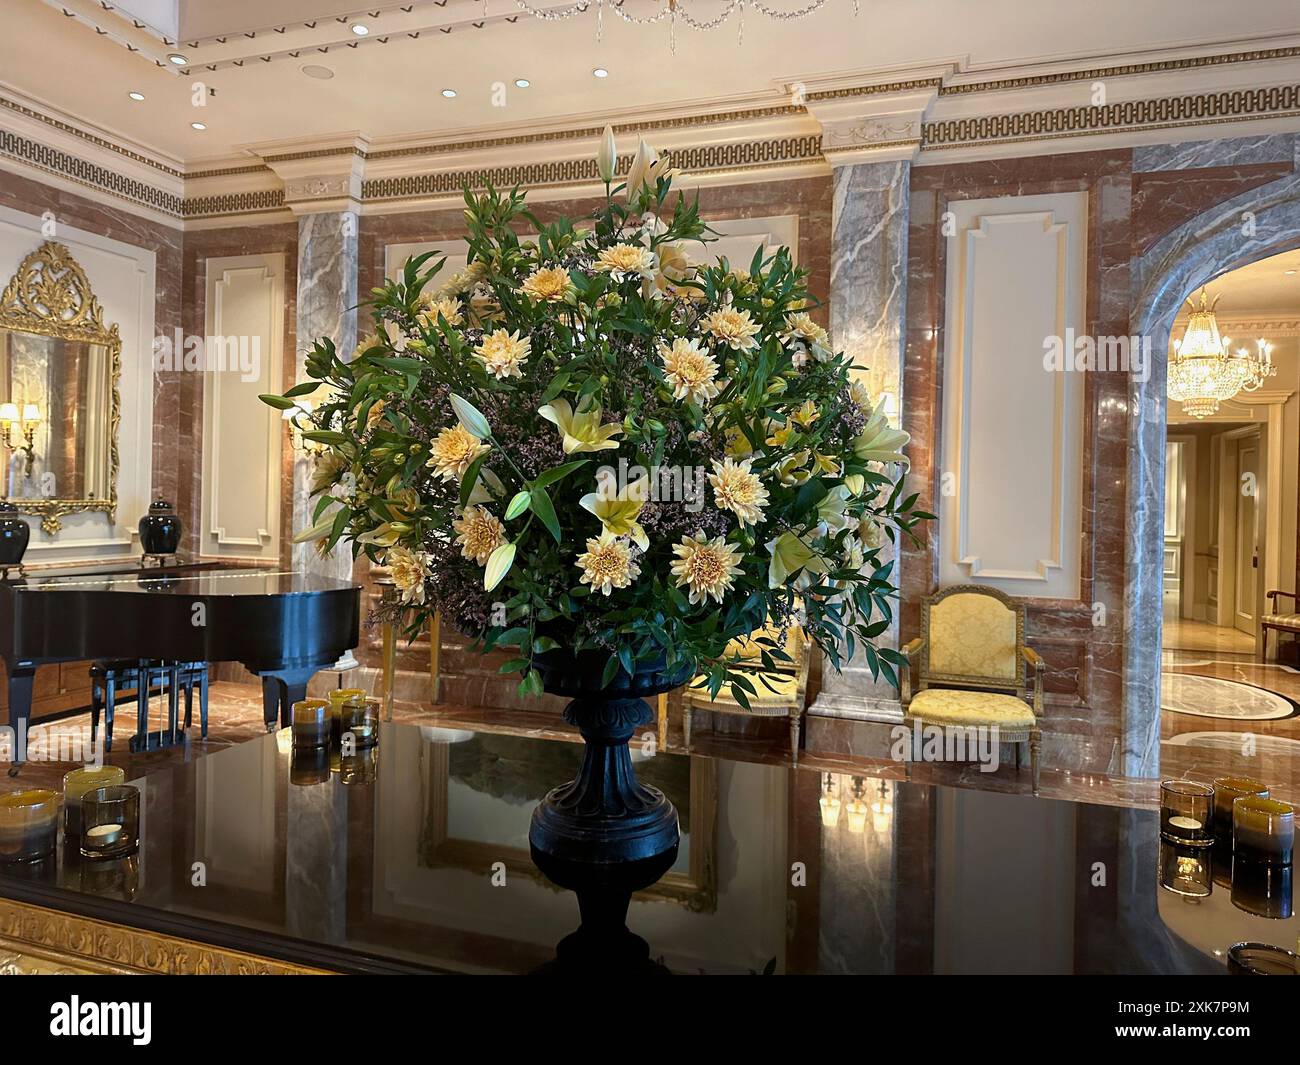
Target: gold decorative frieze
<point x="1189" y="110"/>
<point x="36" y="940"/>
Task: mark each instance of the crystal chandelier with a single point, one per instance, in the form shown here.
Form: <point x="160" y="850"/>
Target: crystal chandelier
<point x="1203" y="372"/>
<point x="671" y="11"/>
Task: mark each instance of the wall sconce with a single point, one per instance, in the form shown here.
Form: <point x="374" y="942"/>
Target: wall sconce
<point x="882" y="810"/>
<point x="299" y="443"/>
<point x="28" y="422"/>
<point x="858" y="808"/>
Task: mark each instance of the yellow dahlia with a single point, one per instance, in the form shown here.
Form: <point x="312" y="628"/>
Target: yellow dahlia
<point x="705" y="567"/>
<point x="738" y="490"/>
<point x="547" y="285"/>
<point x="607" y="564"/>
<point x="689" y="370"/>
<point x="433" y="306"/>
<point x="502" y="353"/>
<point x="452" y="452"/>
<point x="623" y="261"/>
<point x="408" y="569"/>
<point x="479" y="533"/>
<point x="732" y="328"/>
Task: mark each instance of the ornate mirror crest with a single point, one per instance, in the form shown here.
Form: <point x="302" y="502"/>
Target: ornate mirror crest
<point x="50" y="296"/>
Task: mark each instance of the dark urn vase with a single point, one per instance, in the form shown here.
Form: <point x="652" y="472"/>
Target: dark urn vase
<point x="14" y="535"/>
<point x="604" y="815"/>
<point x="160" y="529"/>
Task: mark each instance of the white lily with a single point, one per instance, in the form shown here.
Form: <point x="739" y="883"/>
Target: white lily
<point x="606" y="156"/>
<point x="644" y="159"/>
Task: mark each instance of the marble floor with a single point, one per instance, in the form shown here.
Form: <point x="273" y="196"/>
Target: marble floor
<point x="1186" y="634"/>
<point x="1199" y="747"/>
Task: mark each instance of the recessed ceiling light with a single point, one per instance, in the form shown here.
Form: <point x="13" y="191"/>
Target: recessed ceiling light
<point x="197" y="125"/>
<point x="178" y="59"/>
<point x="359" y="29"/>
<point x="601" y="72"/>
<point x="522" y="83"/>
<point x="320" y="73"/>
<point x="137" y="96"/>
<point x="449" y="93"/>
<point x="1288" y="272"/>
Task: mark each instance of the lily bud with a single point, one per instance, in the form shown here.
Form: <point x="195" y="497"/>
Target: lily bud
<point x="641" y="164"/>
<point x="606" y="155"/>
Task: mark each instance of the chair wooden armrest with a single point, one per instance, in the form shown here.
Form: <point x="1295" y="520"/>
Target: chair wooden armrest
<point x="1035" y="661"/>
<point x="1272" y="598"/>
<point x="909" y="652"/>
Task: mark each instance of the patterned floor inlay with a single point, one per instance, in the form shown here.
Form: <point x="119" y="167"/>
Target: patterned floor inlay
<point x="1239" y="743"/>
<point x="1182" y="693"/>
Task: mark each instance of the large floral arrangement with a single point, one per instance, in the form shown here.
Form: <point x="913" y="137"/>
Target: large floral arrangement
<point x="592" y="439"/>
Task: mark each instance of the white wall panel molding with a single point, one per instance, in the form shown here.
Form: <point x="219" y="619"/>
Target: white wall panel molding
<point x="1011" y="508"/>
<point x="242" y="438"/>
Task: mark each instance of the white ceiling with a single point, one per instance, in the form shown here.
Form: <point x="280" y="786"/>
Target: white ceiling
<point x="1262" y="288"/>
<point x="392" y="90"/>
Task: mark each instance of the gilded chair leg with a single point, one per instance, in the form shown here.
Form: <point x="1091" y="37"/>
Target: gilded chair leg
<point x="794" y="737"/>
<point x="686" y="725"/>
<point x="1035" y="744"/>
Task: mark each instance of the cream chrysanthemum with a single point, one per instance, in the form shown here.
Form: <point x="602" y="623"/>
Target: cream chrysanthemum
<point x="502" y="354"/>
<point x="452" y="452"/>
<point x="801" y="329"/>
<point x="732" y="328"/>
<point x="690" y="371"/>
<point x="547" y="284"/>
<point x="860" y="397"/>
<point x="607" y="564"/>
<point x="738" y="490"/>
<point x="623" y="261"/>
<point x="479" y="533"/>
<point x="408" y="569"/>
<point x="705" y="567"/>
<point x="447" y="306"/>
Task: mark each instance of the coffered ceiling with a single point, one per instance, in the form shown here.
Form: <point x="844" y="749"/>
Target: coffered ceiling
<point x="242" y="67"/>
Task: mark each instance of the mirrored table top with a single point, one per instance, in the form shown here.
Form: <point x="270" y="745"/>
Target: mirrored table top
<point x="414" y="856"/>
<point x="186" y="581"/>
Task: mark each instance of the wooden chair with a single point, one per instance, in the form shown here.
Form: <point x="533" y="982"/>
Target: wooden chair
<point x="970" y="654"/>
<point x="1279" y="623"/>
<point x="776" y="694"/>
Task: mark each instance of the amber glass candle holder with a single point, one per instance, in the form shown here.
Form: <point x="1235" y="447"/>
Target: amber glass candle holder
<point x="1186" y="871"/>
<point x="1185" y="808"/>
<point x="1228" y="790"/>
<point x="339" y="698"/>
<point x="311" y="724"/>
<point x="309" y="765"/>
<point x="359" y="768"/>
<point x="110" y="822"/>
<point x="359" y="724"/>
<point x="1263" y="830"/>
<point x="29" y="825"/>
<point x="1262" y="889"/>
<point x="76" y="784"/>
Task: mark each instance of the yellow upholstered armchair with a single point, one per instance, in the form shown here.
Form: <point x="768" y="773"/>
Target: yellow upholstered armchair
<point x="970" y="654"/>
<point x="779" y="693"/>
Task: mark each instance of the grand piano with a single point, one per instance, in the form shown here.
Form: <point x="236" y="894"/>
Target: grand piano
<point x="282" y="626"/>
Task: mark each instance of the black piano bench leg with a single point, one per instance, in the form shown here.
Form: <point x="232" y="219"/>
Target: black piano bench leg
<point x="203" y="702"/>
<point x="110" y="704"/>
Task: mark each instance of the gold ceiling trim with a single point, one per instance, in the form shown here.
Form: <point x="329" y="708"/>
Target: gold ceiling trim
<point x="34" y="939"/>
<point x="1157" y="66"/>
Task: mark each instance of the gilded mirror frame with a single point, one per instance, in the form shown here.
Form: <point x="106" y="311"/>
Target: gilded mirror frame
<point x="50" y="296"/>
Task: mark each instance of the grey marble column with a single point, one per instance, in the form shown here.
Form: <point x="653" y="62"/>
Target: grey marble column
<point x="327" y="298"/>
<point x="868" y="304"/>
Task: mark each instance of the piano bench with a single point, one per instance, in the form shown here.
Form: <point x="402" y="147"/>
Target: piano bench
<point x="110" y="678"/>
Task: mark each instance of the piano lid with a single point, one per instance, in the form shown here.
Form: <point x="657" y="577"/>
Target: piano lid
<point x="203" y="582"/>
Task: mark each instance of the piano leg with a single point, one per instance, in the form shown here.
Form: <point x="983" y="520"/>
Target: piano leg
<point x="20" y="708"/>
<point x="281" y="688"/>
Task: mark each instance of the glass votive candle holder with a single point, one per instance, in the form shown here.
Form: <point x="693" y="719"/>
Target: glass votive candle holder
<point x="1228" y="790"/>
<point x="1185" y="812"/>
<point x="1262" y="889"/>
<point x="1186" y="871"/>
<point x="309" y="765"/>
<point x="359" y="768"/>
<point x="1262" y="959"/>
<point x="359" y="724"/>
<point x="311" y="724"/>
<point x="76" y="784"/>
<point x="110" y="822"/>
<point x="115" y="878"/>
<point x="29" y="825"/>
<point x="340" y="697"/>
<point x="1263" y="830"/>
